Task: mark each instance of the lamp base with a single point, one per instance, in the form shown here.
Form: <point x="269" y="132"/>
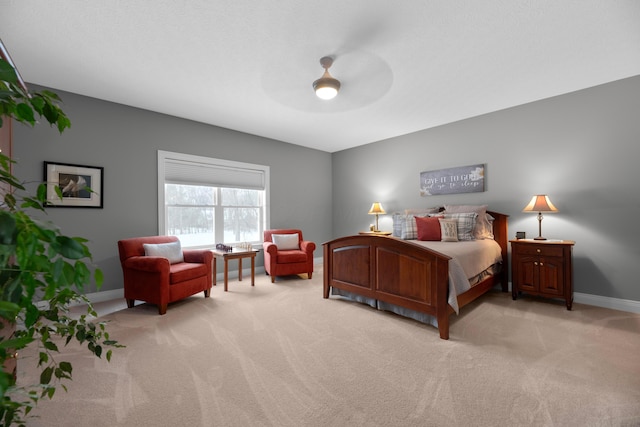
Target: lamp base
<point x="539" y="238"/>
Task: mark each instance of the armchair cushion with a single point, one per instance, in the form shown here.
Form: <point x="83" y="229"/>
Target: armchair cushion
<point x="287" y="257"/>
<point x="184" y="271"/>
<point x="172" y="251"/>
<point x="286" y="241"/>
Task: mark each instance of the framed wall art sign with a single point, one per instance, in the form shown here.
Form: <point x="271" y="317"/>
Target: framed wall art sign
<point x="81" y="186"/>
<point x="462" y="179"/>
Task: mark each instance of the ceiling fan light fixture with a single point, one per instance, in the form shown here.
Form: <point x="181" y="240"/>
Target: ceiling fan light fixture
<point x="326" y="87"/>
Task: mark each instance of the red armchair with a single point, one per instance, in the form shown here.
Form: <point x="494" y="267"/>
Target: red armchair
<point x="293" y="259"/>
<point x="155" y="279"/>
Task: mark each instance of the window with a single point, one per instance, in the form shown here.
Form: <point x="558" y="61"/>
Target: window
<point x="204" y="201"/>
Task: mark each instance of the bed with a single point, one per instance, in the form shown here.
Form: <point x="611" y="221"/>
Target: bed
<point x="407" y="276"/>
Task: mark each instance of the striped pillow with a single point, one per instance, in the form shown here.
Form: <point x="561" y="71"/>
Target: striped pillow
<point x="466" y="223"/>
<point x="409" y="227"/>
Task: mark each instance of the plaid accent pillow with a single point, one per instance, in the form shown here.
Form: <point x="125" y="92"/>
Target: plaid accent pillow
<point x="398" y="221"/>
<point x="466" y="223"/>
<point x="484" y="227"/>
<point x="409" y="230"/>
<point x="400" y="218"/>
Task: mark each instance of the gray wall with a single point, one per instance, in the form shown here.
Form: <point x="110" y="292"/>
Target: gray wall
<point x="125" y="142"/>
<point x="582" y="149"/>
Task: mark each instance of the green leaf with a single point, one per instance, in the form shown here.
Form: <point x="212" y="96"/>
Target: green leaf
<point x="66" y="366"/>
<point x="51" y="95"/>
<point x="38" y="104"/>
<point x="15" y="343"/>
<point x="8" y="311"/>
<point x="68" y="247"/>
<point x="99" y="277"/>
<point x="50" y="346"/>
<point x="63" y="123"/>
<point x="25" y="113"/>
<point x="8" y="229"/>
<point x="29" y="202"/>
<point x="45" y="375"/>
<point x="50" y="112"/>
<point x="7" y="72"/>
<point x="41" y="193"/>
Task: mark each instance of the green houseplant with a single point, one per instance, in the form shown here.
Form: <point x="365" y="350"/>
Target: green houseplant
<point x="42" y="271"/>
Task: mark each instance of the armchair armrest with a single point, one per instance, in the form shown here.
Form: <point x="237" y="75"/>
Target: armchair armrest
<point x="307" y="246"/>
<point x="270" y="248"/>
<point x="200" y="256"/>
<point x="147" y="263"/>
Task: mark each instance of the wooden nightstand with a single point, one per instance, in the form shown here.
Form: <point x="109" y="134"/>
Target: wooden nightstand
<point x="543" y="268"/>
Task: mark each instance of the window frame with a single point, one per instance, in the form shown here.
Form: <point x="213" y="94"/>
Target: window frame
<point x="202" y="161"/>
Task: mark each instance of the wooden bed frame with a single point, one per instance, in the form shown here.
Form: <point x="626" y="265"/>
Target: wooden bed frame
<point x="404" y="273"/>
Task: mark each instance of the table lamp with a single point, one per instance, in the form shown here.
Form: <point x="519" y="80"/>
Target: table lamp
<point x="540" y="203"/>
<point x="376" y="209"/>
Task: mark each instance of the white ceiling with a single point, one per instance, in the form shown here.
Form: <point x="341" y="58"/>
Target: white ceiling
<point x="248" y="65"/>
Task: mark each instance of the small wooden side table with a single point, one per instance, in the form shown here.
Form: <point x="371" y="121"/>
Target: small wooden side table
<point x="543" y="268"/>
<point x="235" y="254"/>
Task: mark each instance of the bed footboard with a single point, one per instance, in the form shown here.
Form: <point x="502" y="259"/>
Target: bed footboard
<point x="390" y="270"/>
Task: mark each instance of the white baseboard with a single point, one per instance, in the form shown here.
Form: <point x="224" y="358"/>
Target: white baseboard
<point x="95" y="297"/>
<point x="607" y="302"/>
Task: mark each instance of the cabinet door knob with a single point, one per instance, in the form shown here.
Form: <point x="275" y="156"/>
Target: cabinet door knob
<point x="535" y="263"/>
<point x="541" y="264"/>
<point x="538" y="250"/>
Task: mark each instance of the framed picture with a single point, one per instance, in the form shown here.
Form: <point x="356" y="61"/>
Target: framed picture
<point x="81" y="186"/>
<point x="462" y="179"/>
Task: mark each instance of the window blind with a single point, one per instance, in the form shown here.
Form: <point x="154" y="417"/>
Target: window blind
<point x="177" y="171"/>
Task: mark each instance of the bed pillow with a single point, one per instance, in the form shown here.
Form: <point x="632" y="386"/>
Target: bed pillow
<point x="420" y="211"/>
<point x="400" y="218"/>
<point x="466" y="224"/>
<point x="172" y="251"/>
<point x="428" y="228"/>
<point x="409" y="227"/>
<point x="448" y="229"/>
<point x="286" y="242"/>
<point x="484" y="228"/>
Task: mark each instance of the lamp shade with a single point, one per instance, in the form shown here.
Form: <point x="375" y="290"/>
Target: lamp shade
<point x="326" y="87"/>
<point x="540" y="203"/>
<point x="376" y="208"/>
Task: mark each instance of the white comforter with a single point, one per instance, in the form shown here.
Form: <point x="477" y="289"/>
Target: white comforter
<point x="469" y="258"/>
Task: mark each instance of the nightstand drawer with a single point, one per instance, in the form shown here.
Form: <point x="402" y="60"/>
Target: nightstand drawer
<point x="543" y="250"/>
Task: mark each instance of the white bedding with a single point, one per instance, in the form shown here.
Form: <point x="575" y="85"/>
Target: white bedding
<point x="469" y="258"/>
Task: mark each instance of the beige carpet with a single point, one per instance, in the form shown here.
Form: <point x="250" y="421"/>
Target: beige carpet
<point x="280" y="355"/>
